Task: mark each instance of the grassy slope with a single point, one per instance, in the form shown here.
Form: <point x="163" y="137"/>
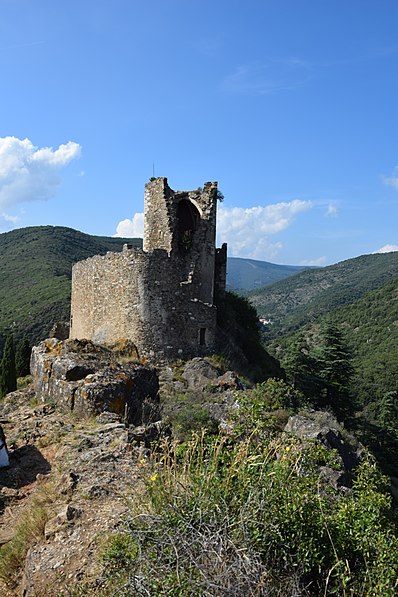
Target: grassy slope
<point x="308" y="295"/>
<point x="35" y="273"/>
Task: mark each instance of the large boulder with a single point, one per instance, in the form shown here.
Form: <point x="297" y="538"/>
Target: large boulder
<point x="199" y="373"/>
<point x="90" y="379"/>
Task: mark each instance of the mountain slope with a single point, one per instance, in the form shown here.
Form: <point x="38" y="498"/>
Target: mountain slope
<point x="35" y="273"/>
<point x="371" y="328"/>
<point x="308" y="295"/>
<point x="247" y="274"/>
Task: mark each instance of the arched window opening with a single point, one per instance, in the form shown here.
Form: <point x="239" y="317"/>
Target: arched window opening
<point x="188" y="219"/>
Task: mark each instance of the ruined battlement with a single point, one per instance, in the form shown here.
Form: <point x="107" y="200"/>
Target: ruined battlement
<point x="161" y="297"/>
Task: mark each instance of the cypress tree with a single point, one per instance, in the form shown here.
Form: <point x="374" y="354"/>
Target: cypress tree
<point x="302" y="367"/>
<point x="8" y="377"/>
<point x="336" y="368"/>
<point x="22" y="358"/>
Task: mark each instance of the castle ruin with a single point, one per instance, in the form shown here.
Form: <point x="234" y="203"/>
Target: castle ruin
<point x="162" y="297"/>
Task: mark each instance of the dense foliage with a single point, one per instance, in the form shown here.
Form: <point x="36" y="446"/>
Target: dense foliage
<point x="22" y="357"/>
<point x="370" y="331"/>
<point x="240" y="338"/>
<point x="250" y="514"/>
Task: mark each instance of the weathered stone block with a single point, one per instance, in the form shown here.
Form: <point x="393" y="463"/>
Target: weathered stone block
<point x="89" y="380"/>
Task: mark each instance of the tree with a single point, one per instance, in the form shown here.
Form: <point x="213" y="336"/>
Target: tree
<point x="302" y="368"/>
<point x="22" y="358"/>
<point x="335" y="368"/>
<point x="8" y="377"/>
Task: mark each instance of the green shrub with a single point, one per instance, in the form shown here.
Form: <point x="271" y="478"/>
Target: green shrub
<point x="256" y="518"/>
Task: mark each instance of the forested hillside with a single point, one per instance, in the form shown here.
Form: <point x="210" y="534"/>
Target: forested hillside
<point x="35" y="274"/>
<point x="305" y="297"/>
<point x="365" y="359"/>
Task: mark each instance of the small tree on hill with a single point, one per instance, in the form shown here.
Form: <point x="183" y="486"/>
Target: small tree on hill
<point x="8" y="377"/>
<point x="22" y="358"/>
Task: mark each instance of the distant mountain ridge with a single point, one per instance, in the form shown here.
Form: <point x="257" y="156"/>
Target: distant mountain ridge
<point x="310" y="294"/>
<point x="248" y="274"/>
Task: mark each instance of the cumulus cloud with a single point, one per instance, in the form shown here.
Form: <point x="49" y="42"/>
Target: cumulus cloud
<point x="247" y="230"/>
<point x="29" y="173"/>
<point x="9" y="218"/>
<point x="387" y="249"/>
<point x="392" y="181"/>
<point x="133" y="228"/>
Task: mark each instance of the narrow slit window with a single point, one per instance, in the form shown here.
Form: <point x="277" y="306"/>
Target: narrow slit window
<point x="202" y="336"/>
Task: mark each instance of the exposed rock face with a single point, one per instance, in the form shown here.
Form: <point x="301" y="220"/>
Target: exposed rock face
<point x="90" y="379"/>
<point x="60" y="330"/>
<point x="198" y="373"/>
<point x="322" y="427"/>
<point x="86" y="471"/>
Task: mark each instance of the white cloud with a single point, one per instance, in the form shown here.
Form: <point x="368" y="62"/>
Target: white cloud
<point x="9" y="218"/>
<point x="318" y="261"/>
<point x="133" y="228"/>
<point x="28" y="173"/>
<point x="247" y="230"/>
<point x="332" y="210"/>
<point x="387" y="249"/>
<point x="392" y="181"/>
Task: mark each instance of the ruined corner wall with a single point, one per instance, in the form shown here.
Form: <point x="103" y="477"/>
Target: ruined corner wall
<point x="139" y="296"/>
<point x="163" y="225"/>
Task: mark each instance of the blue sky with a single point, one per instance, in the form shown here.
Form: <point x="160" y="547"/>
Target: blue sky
<point x="292" y="105"/>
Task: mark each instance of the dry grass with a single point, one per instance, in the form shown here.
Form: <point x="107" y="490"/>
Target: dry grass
<point x="29" y="530"/>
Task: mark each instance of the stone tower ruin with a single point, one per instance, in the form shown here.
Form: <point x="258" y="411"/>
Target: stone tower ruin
<point x="162" y="297"/>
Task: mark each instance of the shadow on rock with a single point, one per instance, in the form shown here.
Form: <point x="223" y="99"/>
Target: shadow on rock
<point x="25" y="464"/>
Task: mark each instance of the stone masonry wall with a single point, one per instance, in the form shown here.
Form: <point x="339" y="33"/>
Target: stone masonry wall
<point x="162" y="297"/>
<point x="139" y="296"/>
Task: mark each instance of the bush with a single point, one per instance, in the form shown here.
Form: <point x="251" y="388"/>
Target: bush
<point x="256" y="518"/>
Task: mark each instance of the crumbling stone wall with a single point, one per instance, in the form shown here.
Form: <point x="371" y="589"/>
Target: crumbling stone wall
<point x="162" y="297"/>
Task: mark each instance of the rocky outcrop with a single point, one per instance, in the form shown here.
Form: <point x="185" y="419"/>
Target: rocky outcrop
<point x="89" y="379"/>
<point x="323" y="428"/>
<point x="199" y="373"/>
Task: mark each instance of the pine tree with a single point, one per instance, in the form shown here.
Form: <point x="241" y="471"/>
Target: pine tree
<point x="302" y="368"/>
<point x="335" y="368"/>
<point x="22" y="358"/>
<point x="8" y="377"/>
